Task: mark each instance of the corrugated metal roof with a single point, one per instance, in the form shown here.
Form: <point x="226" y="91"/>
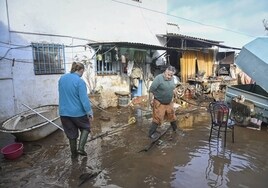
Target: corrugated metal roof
<point x="175" y="35"/>
<point x="130" y="45"/>
<point x="205" y="41"/>
<point x="158" y="47"/>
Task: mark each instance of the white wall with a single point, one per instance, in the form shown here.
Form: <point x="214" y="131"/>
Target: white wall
<point x="99" y="20"/>
<point x="67" y="22"/>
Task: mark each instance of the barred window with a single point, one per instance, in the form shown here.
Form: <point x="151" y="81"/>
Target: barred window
<point x="107" y="64"/>
<point x="48" y="58"/>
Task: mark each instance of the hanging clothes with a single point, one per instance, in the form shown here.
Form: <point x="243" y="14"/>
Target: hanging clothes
<point x="135" y="76"/>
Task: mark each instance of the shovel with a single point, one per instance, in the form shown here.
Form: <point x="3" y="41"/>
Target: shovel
<point x="43" y="116"/>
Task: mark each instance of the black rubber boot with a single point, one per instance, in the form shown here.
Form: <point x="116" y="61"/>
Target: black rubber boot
<point x="174" y="125"/>
<point x="152" y="129"/>
<point x="82" y="142"/>
<point x="73" y="146"/>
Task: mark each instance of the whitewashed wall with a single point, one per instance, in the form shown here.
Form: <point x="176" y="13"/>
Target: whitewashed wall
<point x="67" y="22"/>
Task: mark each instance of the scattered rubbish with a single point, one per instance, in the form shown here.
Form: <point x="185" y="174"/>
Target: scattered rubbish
<point x="105" y="118"/>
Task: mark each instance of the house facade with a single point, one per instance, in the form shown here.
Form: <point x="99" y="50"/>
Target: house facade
<point x="39" y="40"/>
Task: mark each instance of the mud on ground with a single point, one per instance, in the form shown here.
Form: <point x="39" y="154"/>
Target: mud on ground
<point x="181" y="159"/>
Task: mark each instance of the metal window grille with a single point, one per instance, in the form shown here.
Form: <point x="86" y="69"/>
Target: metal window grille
<point x="48" y="58"/>
<point x="106" y="66"/>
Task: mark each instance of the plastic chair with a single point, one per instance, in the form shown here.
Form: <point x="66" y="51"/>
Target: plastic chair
<point x="220" y="122"/>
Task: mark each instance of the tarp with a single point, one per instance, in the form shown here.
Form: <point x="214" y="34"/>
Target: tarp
<point x="253" y="60"/>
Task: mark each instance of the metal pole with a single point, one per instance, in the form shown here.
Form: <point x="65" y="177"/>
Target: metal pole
<point x="43" y="117"/>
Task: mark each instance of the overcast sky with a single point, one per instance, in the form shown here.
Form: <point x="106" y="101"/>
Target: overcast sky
<point x="236" y="22"/>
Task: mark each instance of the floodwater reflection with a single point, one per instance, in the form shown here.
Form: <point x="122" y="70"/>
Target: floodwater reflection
<point x="240" y="164"/>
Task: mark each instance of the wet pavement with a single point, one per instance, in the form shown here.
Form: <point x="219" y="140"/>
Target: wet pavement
<point x="181" y="159"/>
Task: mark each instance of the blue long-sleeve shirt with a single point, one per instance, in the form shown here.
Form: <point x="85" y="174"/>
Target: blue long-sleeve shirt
<point x="73" y="98"/>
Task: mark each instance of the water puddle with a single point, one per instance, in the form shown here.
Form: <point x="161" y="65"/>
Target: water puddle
<point x="181" y="159"/>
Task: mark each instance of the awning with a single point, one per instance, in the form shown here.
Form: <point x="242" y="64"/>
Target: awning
<point x="206" y="42"/>
<point x="130" y="45"/>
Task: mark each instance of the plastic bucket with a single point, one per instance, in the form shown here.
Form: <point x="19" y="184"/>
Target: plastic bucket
<point x="123" y="101"/>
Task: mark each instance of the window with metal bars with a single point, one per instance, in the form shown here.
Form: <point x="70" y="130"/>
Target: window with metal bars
<point x="107" y="64"/>
<point x="48" y="58"/>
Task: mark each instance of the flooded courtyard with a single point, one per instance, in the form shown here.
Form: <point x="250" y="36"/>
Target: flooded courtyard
<point x="118" y="159"/>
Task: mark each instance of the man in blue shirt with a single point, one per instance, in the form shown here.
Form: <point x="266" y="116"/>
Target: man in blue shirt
<point x="75" y="108"/>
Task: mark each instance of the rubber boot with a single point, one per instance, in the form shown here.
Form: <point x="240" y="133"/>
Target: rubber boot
<point x="174" y="125"/>
<point x="152" y="129"/>
<point x="73" y="146"/>
<point x="82" y="142"/>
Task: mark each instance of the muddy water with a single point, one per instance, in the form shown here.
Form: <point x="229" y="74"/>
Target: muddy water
<point x="181" y="159"/>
